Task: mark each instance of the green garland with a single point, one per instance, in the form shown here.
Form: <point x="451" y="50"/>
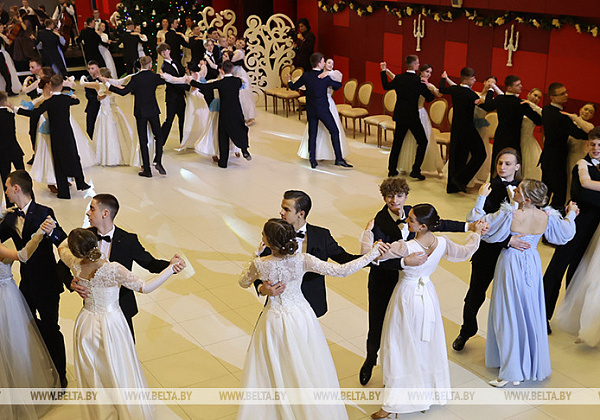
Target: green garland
<point x="448" y="15"/>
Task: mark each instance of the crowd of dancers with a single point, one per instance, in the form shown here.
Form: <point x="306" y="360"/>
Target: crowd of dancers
<point x="214" y="106"/>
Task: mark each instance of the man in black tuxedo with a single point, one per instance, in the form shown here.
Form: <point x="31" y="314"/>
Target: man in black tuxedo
<point x="212" y="34"/>
<point x="30" y="88"/>
<point x="145" y="109"/>
<point x="231" y="118"/>
<point x="211" y="57"/>
<point x="314" y="240"/>
<point x="568" y="256"/>
<point x="464" y="138"/>
<point x="557" y="129"/>
<point x="98" y="21"/>
<point x="12" y="154"/>
<point x="196" y="45"/>
<point x="93" y="104"/>
<point x="130" y="40"/>
<point x="174" y="94"/>
<point x="62" y="140"/>
<point x="175" y="40"/>
<point x="483" y="263"/>
<point x="317" y="108"/>
<point x="91" y="41"/>
<point x="511" y="110"/>
<point x="389" y="225"/>
<point x="51" y="42"/>
<point x="409" y="88"/>
<point x="40" y="284"/>
<point x="119" y="246"/>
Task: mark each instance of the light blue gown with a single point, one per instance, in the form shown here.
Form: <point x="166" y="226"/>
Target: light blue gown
<point x="517" y="338"/>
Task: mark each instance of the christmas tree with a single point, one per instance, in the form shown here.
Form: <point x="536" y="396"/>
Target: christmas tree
<point x="148" y="14"/>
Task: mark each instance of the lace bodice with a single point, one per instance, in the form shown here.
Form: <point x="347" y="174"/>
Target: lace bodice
<point x="5" y="270"/>
<point x="290" y="271"/>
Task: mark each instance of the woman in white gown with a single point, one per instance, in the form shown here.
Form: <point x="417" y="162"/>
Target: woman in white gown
<point x="530" y="148"/>
<point x="579" y="312"/>
<point x="104" y="51"/>
<point x="24" y="359"/>
<point x="104" y="351"/>
<point x="413" y="342"/>
<point x="113" y="136"/>
<point x="196" y="109"/>
<point x="578" y="148"/>
<point x="288" y="348"/>
<point x="247" y="98"/>
<point x="42" y="169"/>
<point x="324" y="148"/>
<point x="433" y="160"/>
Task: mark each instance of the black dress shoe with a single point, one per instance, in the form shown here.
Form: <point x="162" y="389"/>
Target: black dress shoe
<point x="459" y="185"/>
<point x="343" y="163"/>
<point x="30" y="161"/>
<point x="222" y="165"/>
<point x="393" y="173"/>
<point x="63" y="382"/>
<point x="417" y="175"/>
<point x="364" y="376"/>
<point x="548" y="326"/>
<point x="314" y="164"/>
<point x="84" y="187"/>
<point x="160" y="169"/>
<point x="246" y="155"/>
<point x="145" y="174"/>
<point x="459" y="343"/>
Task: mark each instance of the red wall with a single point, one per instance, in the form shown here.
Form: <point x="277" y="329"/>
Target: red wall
<point x="359" y="43"/>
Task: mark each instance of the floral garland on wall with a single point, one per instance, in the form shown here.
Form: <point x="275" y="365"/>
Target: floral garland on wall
<point x="487" y="19"/>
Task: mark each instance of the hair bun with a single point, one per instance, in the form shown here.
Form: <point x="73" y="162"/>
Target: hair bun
<point x="94" y="254"/>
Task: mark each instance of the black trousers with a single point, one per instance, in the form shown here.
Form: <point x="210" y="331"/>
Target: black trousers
<point x="326" y="118"/>
<point x="5" y="74"/>
<point x="90" y="119"/>
<point x="62" y="183"/>
<point x="33" y="130"/>
<point x="416" y="128"/>
<point x="5" y="169"/>
<point x="567" y="257"/>
<point x="45" y="304"/>
<point x="174" y="108"/>
<point x="239" y="137"/>
<point x="554" y="175"/>
<point x="142" y="129"/>
<point x="129" y="319"/>
<point x="466" y="155"/>
<point x="483" y="265"/>
<point x="381" y="286"/>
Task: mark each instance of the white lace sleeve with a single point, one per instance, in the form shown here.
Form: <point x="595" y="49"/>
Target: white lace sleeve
<point x="336" y="75"/>
<point x="126" y="278"/>
<point x="367" y="238"/>
<point x="172" y="79"/>
<point x="455" y="252"/>
<point x="66" y="256"/>
<point x="237" y="55"/>
<point x="314" y="265"/>
<point x="398" y="249"/>
<point x="249" y="274"/>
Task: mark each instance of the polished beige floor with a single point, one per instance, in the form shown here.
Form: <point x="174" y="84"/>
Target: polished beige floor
<point x="194" y="331"/>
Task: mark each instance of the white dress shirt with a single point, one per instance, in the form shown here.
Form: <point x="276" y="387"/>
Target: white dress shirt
<point x="20" y="222"/>
<point x="104" y="246"/>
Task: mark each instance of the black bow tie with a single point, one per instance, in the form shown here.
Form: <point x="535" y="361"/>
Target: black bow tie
<point x="19" y="213"/>
<point x="400" y="221"/>
<point x="507" y="183"/>
<point x="104" y="238"/>
<point x="300" y="234"/>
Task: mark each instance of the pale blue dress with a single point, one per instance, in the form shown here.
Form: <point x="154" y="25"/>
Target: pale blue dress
<point x="517" y="338"/>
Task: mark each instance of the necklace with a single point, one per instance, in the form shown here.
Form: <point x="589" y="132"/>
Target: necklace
<point x="427" y="247"/>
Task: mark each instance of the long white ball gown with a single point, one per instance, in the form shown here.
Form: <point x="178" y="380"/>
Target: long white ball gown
<point x="247" y="98"/>
<point x="197" y="116"/>
<point x="103" y="347"/>
<point x="16" y="83"/>
<point x="530" y="148"/>
<point x="433" y="160"/>
<point x="113" y="136"/>
<point x="324" y="148"/>
<point x="579" y="312"/>
<point x="107" y="56"/>
<point x="24" y="358"/>
<point x="288" y="348"/>
<point x="413" y="342"/>
<point x="42" y="169"/>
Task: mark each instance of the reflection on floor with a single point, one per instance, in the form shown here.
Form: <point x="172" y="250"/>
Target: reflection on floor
<point x="194" y="331"/>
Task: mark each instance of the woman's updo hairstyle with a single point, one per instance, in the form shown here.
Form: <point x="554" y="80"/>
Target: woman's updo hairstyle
<point x="281" y="236"/>
<point x="427" y="215"/>
<point x="534" y="190"/>
<point x="83" y="243"/>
